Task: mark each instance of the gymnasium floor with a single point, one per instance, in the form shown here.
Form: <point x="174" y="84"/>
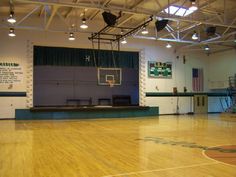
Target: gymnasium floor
<point x="168" y="146"/>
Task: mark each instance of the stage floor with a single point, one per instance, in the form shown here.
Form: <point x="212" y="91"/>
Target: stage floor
<point x="164" y="146"/>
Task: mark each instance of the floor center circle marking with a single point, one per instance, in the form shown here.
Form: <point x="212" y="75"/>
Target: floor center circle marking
<point x="225" y="154"/>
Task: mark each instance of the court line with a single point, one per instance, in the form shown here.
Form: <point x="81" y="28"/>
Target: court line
<point x="204" y="154"/>
<point x="162" y="169"/>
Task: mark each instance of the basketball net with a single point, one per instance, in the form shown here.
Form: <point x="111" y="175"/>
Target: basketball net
<point x="111" y="83"/>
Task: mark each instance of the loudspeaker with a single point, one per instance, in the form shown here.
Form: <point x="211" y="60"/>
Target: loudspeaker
<point x="211" y="30"/>
<point x="109" y="18"/>
<point x="160" y="25"/>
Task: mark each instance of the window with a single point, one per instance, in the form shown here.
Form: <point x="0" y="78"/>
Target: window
<point x="179" y="11"/>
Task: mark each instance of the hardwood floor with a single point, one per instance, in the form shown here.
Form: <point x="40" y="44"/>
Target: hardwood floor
<point x="168" y="146"/>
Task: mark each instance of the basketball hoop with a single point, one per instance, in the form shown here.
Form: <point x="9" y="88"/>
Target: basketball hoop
<point x="111" y="83"/>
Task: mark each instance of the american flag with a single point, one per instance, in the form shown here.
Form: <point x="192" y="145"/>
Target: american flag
<point x="197" y="79"/>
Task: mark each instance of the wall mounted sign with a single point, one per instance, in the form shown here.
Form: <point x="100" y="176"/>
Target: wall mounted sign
<point x="160" y="69"/>
<point x="10" y="73"/>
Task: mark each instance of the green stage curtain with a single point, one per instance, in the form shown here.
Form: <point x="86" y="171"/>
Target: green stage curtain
<point x="61" y="56"/>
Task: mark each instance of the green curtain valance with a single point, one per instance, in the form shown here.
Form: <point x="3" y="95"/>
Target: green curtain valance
<point x="61" y="56"/>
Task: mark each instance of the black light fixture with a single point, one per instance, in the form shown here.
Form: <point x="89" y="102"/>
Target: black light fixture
<point x="168" y="46"/>
<point x="161" y="24"/>
<point x="123" y="41"/>
<point x="11" y="18"/>
<point x="11" y="32"/>
<point x="195" y="36"/>
<point x="207" y="48"/>
<point x="71" y="36"/>
<point x="211" y="31"/>
<point x="109" y="18"/>
<point x="84" y="25"/>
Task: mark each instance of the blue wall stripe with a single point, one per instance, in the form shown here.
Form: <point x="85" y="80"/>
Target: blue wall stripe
<point x="182" y="94"/>
<point x="12" y="94"/>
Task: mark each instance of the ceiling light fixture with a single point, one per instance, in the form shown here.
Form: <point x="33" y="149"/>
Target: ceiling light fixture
<point x="145" y="30"/>
<point x="84" y="25"/>
<point x="195" y="36"/>
<point x="123" y="41"/>
<point x="206" y="48"/>
<point x="71" y="37"/>
<point x="168" y="45"/>
<point x="11" y="18"/>
<point x="11" y="32"/>
<point x="193" y="5"/>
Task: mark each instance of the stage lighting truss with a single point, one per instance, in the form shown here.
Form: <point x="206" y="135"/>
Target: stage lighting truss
<point x="103" y="36"/>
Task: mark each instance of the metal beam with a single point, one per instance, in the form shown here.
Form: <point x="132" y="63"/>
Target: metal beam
<point x="54" y="10"/>
<point x="71" y="9"/>
<point x="209" y="41"/>
<point x="41" y="10"/>
<point x="63" y="19"/>
<point x="158" y="4"/>
<point x="234" y="20"/>
<point x="187" y="19"/>
<point x="26" y="16"/>
<point x="130" y="11"/>
<point x="164" y="39"/>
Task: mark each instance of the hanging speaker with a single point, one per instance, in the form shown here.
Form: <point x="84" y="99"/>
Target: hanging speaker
<point x="160" y="25"/>
<point x="211" y="31"/>
<point x="109" y="18"/>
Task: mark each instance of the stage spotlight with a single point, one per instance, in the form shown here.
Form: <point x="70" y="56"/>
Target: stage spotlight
<point x="195" y="36"/>
<point x="11" y="18"/>
<point x="206" y="48"/>
<point x="11" y="32"/>
<point x="168" y="45"/>
<point x="84" y="25"/>
<point x="109" y="18"/>
<point x="71" y="37"/>
<point x="160" y="25"/>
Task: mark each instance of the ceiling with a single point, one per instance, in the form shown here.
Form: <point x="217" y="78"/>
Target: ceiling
<point x="65" y="15"/>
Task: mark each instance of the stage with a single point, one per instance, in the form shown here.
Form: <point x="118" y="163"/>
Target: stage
<point x="84" y="112"/>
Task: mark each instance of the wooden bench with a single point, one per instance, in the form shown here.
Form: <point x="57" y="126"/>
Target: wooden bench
<point x="78" y="101"/>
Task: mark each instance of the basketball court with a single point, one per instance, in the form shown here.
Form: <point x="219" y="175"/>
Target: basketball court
<point x="165" y="146"/>
<point x="117" y="88"/>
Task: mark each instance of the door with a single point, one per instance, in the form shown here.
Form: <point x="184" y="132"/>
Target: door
<point x="200" y="104"/>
